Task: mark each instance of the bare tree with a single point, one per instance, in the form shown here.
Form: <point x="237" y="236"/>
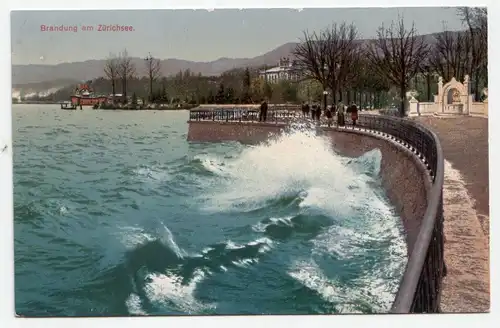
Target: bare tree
<point x="342" y="56"/>
<point x="111" y="71"/>
<point x="311" y="56"/>
<point x="476" y="20"/>
<point x="153" y="67"/>
<point x="450" y="55"/>
<point x="126" y="70"/>
<point x="329" y="57"/>
<point x="367" y="84"/>
<point x="396" y="55"/>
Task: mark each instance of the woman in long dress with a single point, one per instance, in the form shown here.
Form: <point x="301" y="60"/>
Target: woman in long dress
<point x="354" y="113"/>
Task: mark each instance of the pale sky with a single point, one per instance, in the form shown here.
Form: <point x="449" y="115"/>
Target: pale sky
<point x="196" y="35"/>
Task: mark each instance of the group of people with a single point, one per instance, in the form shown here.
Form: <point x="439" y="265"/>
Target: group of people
<point x="340" y="110"/>
<point x="315" y="111"/>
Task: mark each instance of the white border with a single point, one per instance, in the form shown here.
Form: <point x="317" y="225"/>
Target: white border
<point x="6" y="206"/>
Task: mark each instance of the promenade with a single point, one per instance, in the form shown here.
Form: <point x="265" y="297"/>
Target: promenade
<point x="466" y="212"/>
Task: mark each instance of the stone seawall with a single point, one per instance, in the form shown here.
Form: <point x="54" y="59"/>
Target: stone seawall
<point x="207" y="131"/>
<point x="403" y="176"/>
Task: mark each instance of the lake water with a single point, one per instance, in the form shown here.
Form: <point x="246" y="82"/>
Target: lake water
<point x="115" y="213"/>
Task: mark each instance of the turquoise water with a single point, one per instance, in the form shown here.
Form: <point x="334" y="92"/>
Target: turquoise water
<point x="115" y="213"/>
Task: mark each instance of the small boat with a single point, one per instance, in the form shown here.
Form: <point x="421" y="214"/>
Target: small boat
<point x="67" y="105"/>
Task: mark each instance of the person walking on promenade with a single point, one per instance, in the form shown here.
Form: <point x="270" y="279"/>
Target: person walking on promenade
<point x="318" y="113"/>
<point x="354" y="114"/>
<point x="329" y="117"/>
<point x="306" y="110"/>
<point x="263" y="111"/>
<point x="313" y="111"/>
<point x="304" y="104"/>
<point x="340" y="114"/>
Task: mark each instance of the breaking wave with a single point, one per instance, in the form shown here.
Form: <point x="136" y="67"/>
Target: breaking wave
<point x="283" y="227"/>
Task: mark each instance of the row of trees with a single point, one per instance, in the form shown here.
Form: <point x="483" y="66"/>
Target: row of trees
<point x="457" y="54"/>
<point x="333" y="59"/>
<point x="236" y="85"/>
<point x="121" y="68"/>
<point x="337" y="60"/>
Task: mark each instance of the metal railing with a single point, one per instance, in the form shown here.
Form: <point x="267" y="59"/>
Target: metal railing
<point x="420" y="288"/>
<point x="243" y="115"/>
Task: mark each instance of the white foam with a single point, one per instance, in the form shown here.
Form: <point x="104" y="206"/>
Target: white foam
<point x="369" y="288"/>
<point x="261" y="227"/>
<point x="167" y="238"/>
<point x="134" y="305"/>
<point x="263" y="243"/>
<point x="63" y="210"/>
<point x="167" y="289"/>
<point x="297" y="163"/>
<point x="232" y="245"/>
<point x="310" y="275"/>
<point x="131" y="237"/>
<point x="152" y="173"/>
<point x="244" y="263"/>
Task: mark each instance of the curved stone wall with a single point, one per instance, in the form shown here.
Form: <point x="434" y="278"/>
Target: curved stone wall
<point x="404" y="177"/>
<point x="207" y="131"/>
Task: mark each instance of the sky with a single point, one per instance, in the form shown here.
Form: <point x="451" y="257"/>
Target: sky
<point x="197" y="35"/>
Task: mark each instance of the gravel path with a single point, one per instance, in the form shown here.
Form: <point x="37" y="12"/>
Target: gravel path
<point x="466" y="211"/>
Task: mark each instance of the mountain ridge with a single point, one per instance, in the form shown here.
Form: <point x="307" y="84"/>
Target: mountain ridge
<point x="93" y="68"/>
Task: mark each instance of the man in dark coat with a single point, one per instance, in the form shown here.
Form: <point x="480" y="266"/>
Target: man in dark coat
<point x="318" y="112"/>
<point x="307" y="109"/>
<point x="329" y="116"/>
<point x="263" y="111"/>
<point x="304" y="109"/>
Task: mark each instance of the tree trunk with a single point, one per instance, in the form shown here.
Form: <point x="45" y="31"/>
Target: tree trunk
<point x="402" y="95"/>
<point x="113" y="89"/>
<point x="325" y="100"/>
<point x="348" y="96"/>
<point x="340" y="94"/>
<point x="151" y="89"/>
<point x="429" y="96"/>
<point x="124" y="88"/>
<point x="476" y="88"/>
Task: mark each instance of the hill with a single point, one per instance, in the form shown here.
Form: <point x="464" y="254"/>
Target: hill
<point x="30" y="75"/>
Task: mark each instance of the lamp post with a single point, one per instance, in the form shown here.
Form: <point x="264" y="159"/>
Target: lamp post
<point x="428" y="77"/>
<point x="325" y="95"/>
<point x="149" y="60"/>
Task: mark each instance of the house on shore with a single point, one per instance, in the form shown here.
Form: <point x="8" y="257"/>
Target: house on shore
<point x="287" y="70"/>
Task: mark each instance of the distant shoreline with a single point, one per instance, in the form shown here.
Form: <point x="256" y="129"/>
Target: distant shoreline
<point x="35" y="103"/>
<point x="101" y="109"/>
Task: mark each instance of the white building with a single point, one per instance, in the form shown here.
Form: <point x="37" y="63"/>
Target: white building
<point x="286" y="70"/>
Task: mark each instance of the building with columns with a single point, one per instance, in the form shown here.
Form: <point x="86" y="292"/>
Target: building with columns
<point x="287" y="70"/>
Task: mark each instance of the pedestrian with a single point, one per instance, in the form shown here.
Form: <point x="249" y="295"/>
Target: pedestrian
<point x="307" y="108"/>
<point x="340" y="114"/>
<point x="263" y="111"/>
<point x="313" y="111"/>
<point x="304" y="109"/>
<point x="329" y="117"/>
<point x="318" y="113"/>
<point x="354" y="114"/>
